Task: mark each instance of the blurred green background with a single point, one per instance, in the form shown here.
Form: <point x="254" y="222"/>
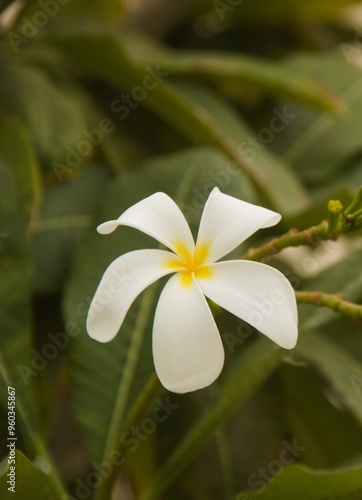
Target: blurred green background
<point x="104" y="103"/>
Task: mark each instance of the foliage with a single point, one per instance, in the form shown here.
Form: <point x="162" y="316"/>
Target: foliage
<point x="105" y="103"/>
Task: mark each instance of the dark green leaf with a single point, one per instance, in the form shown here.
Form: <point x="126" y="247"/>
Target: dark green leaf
<point x="17" y="151"/>
<point x="29" y="479"/>
<point x="53" y="113"/>
<point x="192" y="110"/>
<point x="296" y="481"/>
<point x="60" y="224"/>
<point x="15" y="339"/>
<point x="320" y="415"/>
<point x="253" y="366"/>
<point x="241" y="70"/>
<point x="320" y="145"/>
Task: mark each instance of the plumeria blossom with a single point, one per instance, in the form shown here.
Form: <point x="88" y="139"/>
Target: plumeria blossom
<point x="187" y="349"/>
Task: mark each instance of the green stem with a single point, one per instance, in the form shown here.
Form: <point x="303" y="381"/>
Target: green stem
<point x="356" y="203"/>
<point x="139" y="408"/>
<point x="292" y="238"/>
<point x="339" y="222"/>
<point x="55" y="480"/>
<point x="120" y="409"/>
<point x="225" y="458"/>
<point x="332" y="301"/>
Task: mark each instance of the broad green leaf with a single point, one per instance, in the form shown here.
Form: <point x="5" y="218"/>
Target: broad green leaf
<point x="52" y="113"/>
<point x="264" y="13"/>
<point x="56" y="13"/>
<point x="192" y="110"/>
<point x="107" y="378"/>
<point x="320" y="145"/>
<point x="17" y="150"/>
<point x="60" y="223"/>
<point x="253" y="366"/>
<point x="228" y="69"/>
<point x="15" y="323"/>
<point x="29" y="479"/>
<point x="15" y="319"/>
<point x="336" y="364"/>
<point x="296" y="481"/>
<point x="350" y="340"/>
<point x="320" y="415"/>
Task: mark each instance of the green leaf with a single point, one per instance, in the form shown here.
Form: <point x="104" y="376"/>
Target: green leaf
<point x="336" y="364"/>
<point x="15" y="339"/>
<point x="254" y="365"/>
<point x="263" y="13"/>
<point x="57" y="13"/>
<point x="193" y="111"/>
<point x="60" y="223"/>
<point x="16" y="369"/>
<point x="222" y="128"/>
<point x="241" y="70"/>
<point x="107" y="378"/>
<point x="52" y="113"/>
<point x="17" y="150"/>
<point x="322" y="420"/>
<point x="28" y="477"/>
<point x="318" y="145"/>
<point x="297" y="481"/>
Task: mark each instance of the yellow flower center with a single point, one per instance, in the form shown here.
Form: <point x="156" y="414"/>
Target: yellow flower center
<point x="191" y="264"/>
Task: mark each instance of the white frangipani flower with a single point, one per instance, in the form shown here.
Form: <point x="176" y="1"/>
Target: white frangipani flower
<point x="187" y="348"/>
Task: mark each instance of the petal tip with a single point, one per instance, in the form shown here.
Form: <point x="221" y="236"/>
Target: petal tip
<point x="290" y="341"/>
<point x="107" y="227"/>
<point x="274" y="219"/>
<point x="183" y="387"/>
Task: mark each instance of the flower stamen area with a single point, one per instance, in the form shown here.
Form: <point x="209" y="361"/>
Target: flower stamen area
<point x="191" y="264"/>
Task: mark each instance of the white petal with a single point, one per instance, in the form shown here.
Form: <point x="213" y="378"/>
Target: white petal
<point x="187" y="348"/>
<point x="258" y="294"/>
<point x="124" y="279"/>
<point x="107" y="227"/>
<point x="158" y="216"/>
<point x="226" y="222"/>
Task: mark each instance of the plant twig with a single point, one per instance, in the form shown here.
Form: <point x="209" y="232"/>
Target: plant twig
<point x="292" y="238"/>
<point x="339" y="221"/>
<point x="332" y="301"/>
